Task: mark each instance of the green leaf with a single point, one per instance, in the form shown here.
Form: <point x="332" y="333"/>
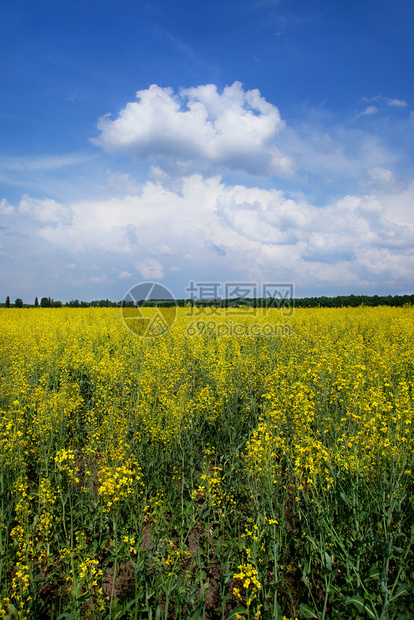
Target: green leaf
<point x="120" y="610"/>
<point x="311" y="539"/>
<point x="355" y="600"/>
<point x="328" y="561"/>
<point x="279" y="613"/>
<point x="401" y="591"/>
<point x="306" y="612"/>
<point x="66" y="615"/>
<point x="359" y="603"/>
<point x="83" y="598"/>
<point x="373" y="573"/>
<point x="197" y="614"/>
<point x="237" y="612"/>
<point x="12" y="610"/>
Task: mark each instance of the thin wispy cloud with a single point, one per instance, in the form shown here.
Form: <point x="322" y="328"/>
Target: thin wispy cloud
<point x="397" y="103"/>
<point x="42" y="163"/>
<point x="371" y="109"/>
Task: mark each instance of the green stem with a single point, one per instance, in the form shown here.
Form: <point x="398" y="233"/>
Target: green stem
<point x="115" y="524"/>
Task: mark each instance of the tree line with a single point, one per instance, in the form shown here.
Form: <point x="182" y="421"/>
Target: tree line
<point x="255" y="302"/>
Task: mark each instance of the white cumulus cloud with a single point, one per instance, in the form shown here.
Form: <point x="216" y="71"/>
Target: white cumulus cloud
<point x="204" y="228"/>
<point x="5" y="207"/>
<point x="235" y="129"/>
<point x="150" y="269"/>
<point x="45" y="210"/>
<point x="382" y="180"/>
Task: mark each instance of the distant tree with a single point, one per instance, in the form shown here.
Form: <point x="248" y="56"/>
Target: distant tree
<point x="44" y="302"/>
<point x="7" y="302"/>
<point x="36" y="302"/>
<point x="18" y="303"/>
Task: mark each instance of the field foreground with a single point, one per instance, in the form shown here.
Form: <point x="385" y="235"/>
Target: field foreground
<point x="200" y="475"/>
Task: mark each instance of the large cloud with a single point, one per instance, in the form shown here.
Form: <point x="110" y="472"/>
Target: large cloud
<point x="235" y="129"/>
<point x="197" y="228"/>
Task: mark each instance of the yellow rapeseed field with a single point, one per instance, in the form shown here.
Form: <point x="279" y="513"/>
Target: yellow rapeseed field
<point x="259" y="470"/>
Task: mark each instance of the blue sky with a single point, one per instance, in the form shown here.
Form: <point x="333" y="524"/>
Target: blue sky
<point x="261" y="141"/>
